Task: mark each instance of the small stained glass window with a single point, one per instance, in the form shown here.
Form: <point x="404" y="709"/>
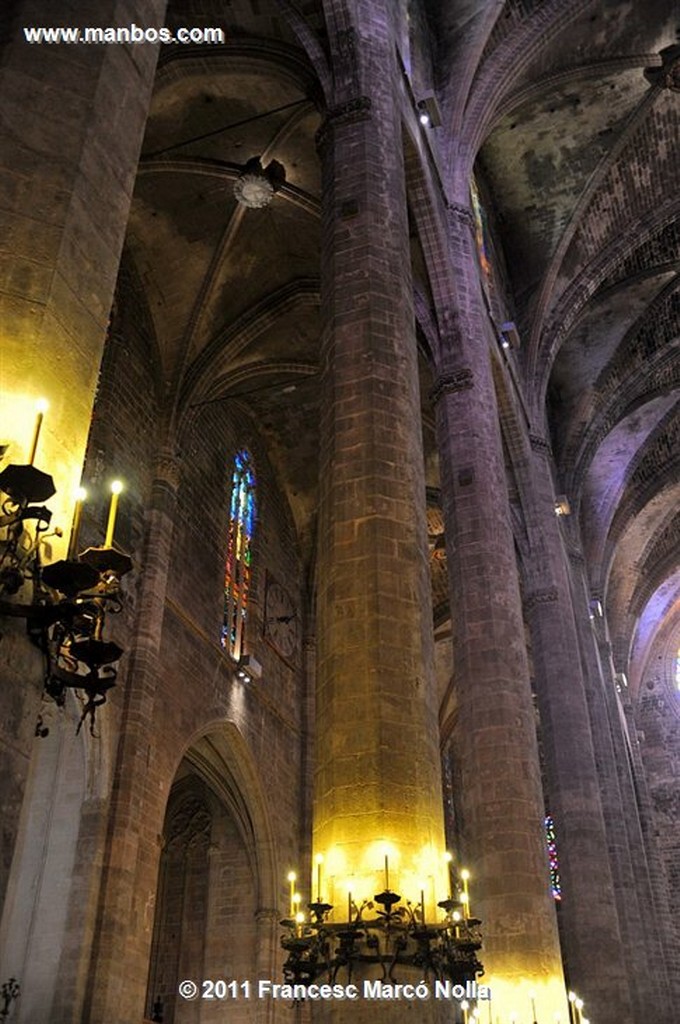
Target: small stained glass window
<point x="551" y="842"/>
<point x="482" y="237"/>
<point x="239" y="553"/>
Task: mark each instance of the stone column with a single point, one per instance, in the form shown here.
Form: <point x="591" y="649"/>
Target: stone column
<point x="658" y="881"/>
<point x="120" y="958"/>
<point x="268" y="953"/>
<point x="72" y="120"/>
<point x="494" y="738"/>
<point x="589" y="923"/>
<point x="377" y="783"/>
<point x="642" y="926"/>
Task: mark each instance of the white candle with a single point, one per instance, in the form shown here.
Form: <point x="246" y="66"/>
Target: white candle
<point x="465" y="875"/>
<point x="292" y="878"/>
<point x="81" y="494"/>
<point x="41" y="405"/>
<point x="319" y="862"/>
<point x="116" y="488"/>
<point x="448" y="857"/>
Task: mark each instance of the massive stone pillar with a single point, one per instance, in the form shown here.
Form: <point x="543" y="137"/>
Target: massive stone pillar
<point x="590" y="926"/>
<point x="494" y="738"/>
<point x="71" y="125"/>
<point x="632" y="853"/>
<point x="73" y="118"/>
<point x="120" y="956"/>
<point x="377" y="786"/>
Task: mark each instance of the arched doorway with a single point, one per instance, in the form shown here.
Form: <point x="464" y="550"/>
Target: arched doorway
<point x="211" y="919"/>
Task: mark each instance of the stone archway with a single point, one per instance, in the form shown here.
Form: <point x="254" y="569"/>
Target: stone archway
<point x="214" y="917"/>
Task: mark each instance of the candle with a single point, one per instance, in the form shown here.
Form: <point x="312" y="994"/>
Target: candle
<point x="422" y="906"/>
<point x="349" y="906"/>
<point x="116" y="488"/>
<point x="292" y="877"/>
<point x="532" y="998"/>
<point x="572" y="1000"/>
<point x="299" y="921"/>
<point x="387" y="872"/>
<point x="41" y="406"/>
<point x="465" y="874"/>
<point x="464" y="1007"/>
<point x="448" y="857"/>
<point x="319" y="862"/>
<point x="578" y="1003"/>
<point x="81" y="494"/>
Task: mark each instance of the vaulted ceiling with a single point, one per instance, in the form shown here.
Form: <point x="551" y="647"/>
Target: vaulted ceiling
<point x="578" y="152"/>
<point x="573" y="113"/>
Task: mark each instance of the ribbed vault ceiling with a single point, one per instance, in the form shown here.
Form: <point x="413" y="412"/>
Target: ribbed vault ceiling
<point x="579" y="156"/>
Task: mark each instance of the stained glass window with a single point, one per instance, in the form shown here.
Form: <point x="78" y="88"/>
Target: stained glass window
<point x="481" y="236"/>
<point x="239" y="545"/>
<point x="551" y="841"/>
<point x="677" y="669"/>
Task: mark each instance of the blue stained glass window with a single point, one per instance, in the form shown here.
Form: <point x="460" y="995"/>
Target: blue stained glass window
<point x="551" y="841"/>
<point x="237" y="571"/>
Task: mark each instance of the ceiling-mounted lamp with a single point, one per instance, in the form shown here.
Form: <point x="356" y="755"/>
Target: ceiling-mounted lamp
<point x="510" y="335"/>
<point x="621" y="682"/>
<point x="256" y="185"/>
<point x="429" y="113"/>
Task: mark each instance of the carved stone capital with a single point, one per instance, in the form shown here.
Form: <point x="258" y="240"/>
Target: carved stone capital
<point x="267" y="914"/>
<point x="167" y="468"/>
<point x="462" y="215"/>
<point x="575" y="556"/>
<point x="449" y="383"/>
<point x="354" y="110"/>
<point x="549" y="595"/>
<point x="540" y="445"/>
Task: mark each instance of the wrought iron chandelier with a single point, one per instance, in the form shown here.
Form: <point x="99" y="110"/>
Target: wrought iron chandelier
<point x="64" y="604"/>
<point x="385" y="933"/>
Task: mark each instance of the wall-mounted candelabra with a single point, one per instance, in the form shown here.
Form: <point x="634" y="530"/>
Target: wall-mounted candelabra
<point x="9" y="993"/>
<point x="386" y="933"/>
<point x="65" y="603"/>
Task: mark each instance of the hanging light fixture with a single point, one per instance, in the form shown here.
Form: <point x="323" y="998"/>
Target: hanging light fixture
<point x="69" y="599"/>
<point x="256" y="186"/>
<point x="387" y="932"/>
